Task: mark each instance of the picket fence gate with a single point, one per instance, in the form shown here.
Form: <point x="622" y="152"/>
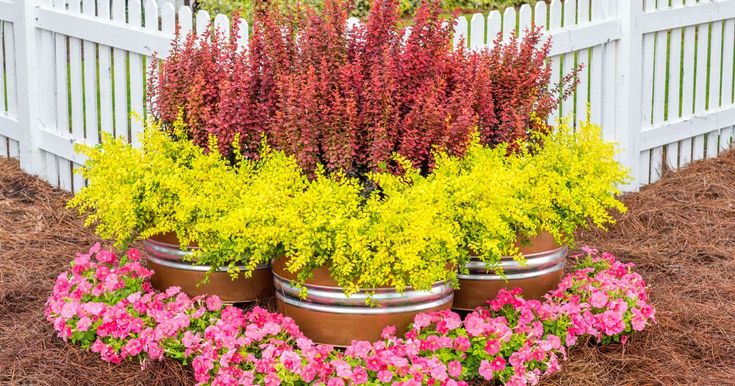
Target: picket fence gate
<point x="658" y="74"/>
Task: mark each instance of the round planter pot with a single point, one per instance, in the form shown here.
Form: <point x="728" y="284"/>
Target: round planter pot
<point x="328" y="316"/>
<point x="542" y="272"/>
<point x="164" y="256"/>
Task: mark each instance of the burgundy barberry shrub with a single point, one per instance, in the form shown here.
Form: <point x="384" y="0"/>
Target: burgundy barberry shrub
<point x="349" y="97"/>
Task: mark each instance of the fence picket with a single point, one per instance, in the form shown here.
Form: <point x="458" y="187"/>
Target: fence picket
<point x="3" y="107"/>
<point x="509" y="23"/>
<point x="90" y="80"/>
<point x="202" y="22"/>
<point x="525" y="19"/>
<point x="477" y="31"/>
<point x="119" y="77"/>
<point x="185" y="20"/>
<point x="460" y="32"/>
<point x="10" y="74"/>
<point x="728" y="37"/>
<point x="595" y="68"/>
<point x="569" y="60"/>
<point x="539" y="15"/>
<point x="494" y="26"/>
<point x="136" y="81"/>
<point x="555" y="22"/>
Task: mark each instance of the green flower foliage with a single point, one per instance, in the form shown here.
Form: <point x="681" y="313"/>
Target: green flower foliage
<point x="409" y="230"/>
<point x="572" y="180"/>
<point x="171" y="185"/>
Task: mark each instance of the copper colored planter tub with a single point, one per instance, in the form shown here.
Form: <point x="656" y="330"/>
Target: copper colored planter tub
<point x="542" y="272"/>
<point x="328" y="316"/>
<point x="164" y="256"/>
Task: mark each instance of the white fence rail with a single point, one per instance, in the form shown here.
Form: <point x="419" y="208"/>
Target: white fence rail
<point x="657" y="77"/>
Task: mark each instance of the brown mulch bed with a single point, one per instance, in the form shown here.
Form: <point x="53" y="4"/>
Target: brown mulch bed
<point x="680" y="232"/>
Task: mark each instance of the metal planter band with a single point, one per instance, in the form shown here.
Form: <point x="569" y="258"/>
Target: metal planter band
<point x="169" y="255"/>
<point x="537" y="264"/>
<point x="388" y="300"/>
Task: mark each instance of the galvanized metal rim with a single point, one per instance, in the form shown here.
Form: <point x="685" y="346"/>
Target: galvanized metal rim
<point x="182" y="265"/>
<point x="388" y="296"/>
<point x="533" y="261"/>
<point x="364" y="310"/>
<point x="165" y="250"/>
<point x="514" y="276"/>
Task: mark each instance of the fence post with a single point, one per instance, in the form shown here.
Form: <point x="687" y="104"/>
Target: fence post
<point x="28" y="87"/>
<point x="629" y="96"/>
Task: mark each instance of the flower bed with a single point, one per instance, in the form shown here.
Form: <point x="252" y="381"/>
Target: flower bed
<point x="105" y="303"/>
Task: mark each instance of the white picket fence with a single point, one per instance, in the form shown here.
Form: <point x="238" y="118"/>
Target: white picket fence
<point x="657" y="77"/>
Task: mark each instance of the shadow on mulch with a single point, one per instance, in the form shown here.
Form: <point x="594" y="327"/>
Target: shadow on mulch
<point x="680" y="232"/>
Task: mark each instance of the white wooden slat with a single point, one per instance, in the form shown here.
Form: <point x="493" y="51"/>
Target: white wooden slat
<point x="727" y="62"/>
<point x="10" y="71"/>
<point x="700" y="92"/>
<point x="150" y="12"/>
<point x="90" y="81"/>
<point x="645" y="167"/>
<point x="687" y="84"/>
<point x="609" y="124"/>
<point x="648" y="69"/>
<point x="647" y="164"/>
<point x="570" y="13"/>
<point x="715" y="65"/>
<point x="477" y="31"/>
<point x="460" y="31"/>
<point x="582" y="94"/>
<point x="713" y="146"/>
<point x="555" y="23"/>
<point x="150" y="15"/>
<point x="4" y="147"/>
<point x="222" y="25"/>
<point x="657" y="155"/>
<point x="525" y="19"/>
<point x="675" y="41"/>
<point x="595" y="68"/>
<point x="104" y="57"/>
<point x="494" y="26"/>
<point x="136" y="82"/>
<point x="46" y="58"/>
<point x="583" y="12"/>
<point x="726" y="138"/>
<point x="672" y="156"/>
<point x="569" y="20"/>
<point x="243" y="33"/>
<point x="700" y="96"/>
<point x="509" y="23"/>
<point x="555" y="14"/>
<point x="659" y="77"/>
<point x="539" y="14"/>
<point x="62" y="98"/>
<point x="75" y="79"/>
<point x="698" y="145"/>
<point x="65" y="178"/>
<point x="3" y="107"/>
<point x="168" y="18"/>
<point x="52" y="169"/>
<point x="202" y="22"/>
<point x="77" y="179"/>
<point x="119" y="77"/>
<point x="13" y="149"/>
<point x="185" y="20"/>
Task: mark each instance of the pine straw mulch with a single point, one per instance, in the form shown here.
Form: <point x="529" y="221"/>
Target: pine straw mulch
<point x="679" y="231"/>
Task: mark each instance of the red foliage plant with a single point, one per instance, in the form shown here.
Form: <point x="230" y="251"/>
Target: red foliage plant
<point x="348" y="97"/>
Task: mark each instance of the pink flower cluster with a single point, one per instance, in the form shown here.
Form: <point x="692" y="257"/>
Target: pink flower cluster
<point x="105" y="303"/>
